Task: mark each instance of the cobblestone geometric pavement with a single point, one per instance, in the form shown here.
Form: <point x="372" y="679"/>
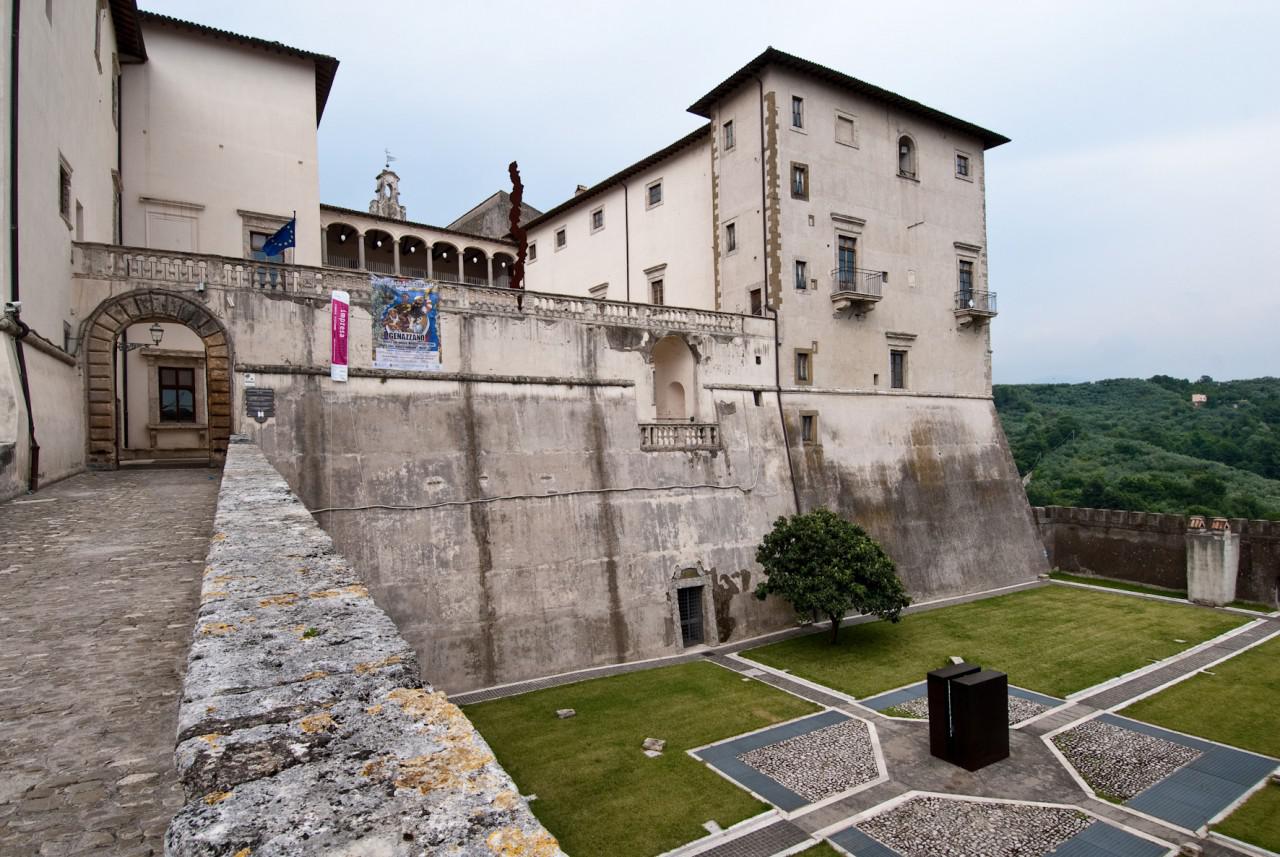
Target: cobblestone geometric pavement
<point x="100" y="581"/>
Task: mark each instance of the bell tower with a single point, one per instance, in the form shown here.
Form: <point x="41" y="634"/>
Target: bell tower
<point x="386" y="200"/>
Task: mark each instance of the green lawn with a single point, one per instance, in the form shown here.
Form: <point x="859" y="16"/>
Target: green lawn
<point x="1257" y="822"/>
<point x="1053" y="639"/>
<point x="597" y="791"/>
<point x="1118" y="584"/>
<point x="1236" y="705"/>
<point x="822" y="849"/>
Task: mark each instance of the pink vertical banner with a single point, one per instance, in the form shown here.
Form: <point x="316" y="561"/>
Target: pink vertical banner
<point x="339" y="327"/>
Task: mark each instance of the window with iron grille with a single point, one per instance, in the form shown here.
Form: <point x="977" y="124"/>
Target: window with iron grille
<point x="797" y="112"/>
<point x="177" y="395"/>
<point x="691" y="625"/>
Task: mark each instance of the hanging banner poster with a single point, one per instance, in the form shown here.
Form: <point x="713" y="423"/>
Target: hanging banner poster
<point x="339" y="325"/>
<point x="406" y="329"/>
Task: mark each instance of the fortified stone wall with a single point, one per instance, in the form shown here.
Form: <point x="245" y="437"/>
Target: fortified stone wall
<point x="1151" y="548"/>
<point x="521" y="513"/>
<point x="304" y="727"/>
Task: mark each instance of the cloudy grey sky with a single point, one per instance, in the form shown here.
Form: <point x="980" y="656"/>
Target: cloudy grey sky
<point x="1134" y="221"/>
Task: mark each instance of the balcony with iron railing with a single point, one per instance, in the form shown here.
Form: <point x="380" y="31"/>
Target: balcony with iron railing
<point x="857" y="289"/>
<point x="974" y="307"/>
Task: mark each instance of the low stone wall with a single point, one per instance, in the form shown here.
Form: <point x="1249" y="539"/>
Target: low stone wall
<point x="1150" y="548"/>
<point x="304" y="727"/>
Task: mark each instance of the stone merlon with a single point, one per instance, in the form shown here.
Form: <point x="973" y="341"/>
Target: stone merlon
<point x="304" y="727"/>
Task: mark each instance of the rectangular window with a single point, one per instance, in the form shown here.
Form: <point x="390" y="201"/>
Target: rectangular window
<point x="728" y="135"/>
<point x="846" y="261"/>
<point x="561" y="239"/>
<point x="177" y="395"/>
<point x="804" y="367"/>
<point x="797" y="112"/>
<point x="962" y="166"/>
<point x="799" y="181"/>
<point x="731" y="237"/>
<point x="845" y="131"/>
<point x="653" y="194"/>
<point x="64" y="191"/>
<point x="533" y="251"/>
<point x="257" y="240"/>
<point x="965" y="281"/>
<point x="898" y="370"/>
<point x="655" y="292"/>
<point x="600" y="292"/>
<point x="809" y="428"/>
<point x="79" y="221"/>
<point x="802" y="274"/>
<point x="757" y="302"/>
<point x="758" y="397"/>
<point x="689" y="601"/>
<point x="597" y="220"/>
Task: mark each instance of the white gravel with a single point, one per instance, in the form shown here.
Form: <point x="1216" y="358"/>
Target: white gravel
<point x="821" y="763"/>
<point x="937" y="827"/>
<point x="1019" y="709"/>
<point x="1121" y="762"/>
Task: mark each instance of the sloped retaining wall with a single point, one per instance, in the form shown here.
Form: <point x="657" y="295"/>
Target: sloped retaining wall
<point x="304" y="727"/>
<point x="1151" y="548"/>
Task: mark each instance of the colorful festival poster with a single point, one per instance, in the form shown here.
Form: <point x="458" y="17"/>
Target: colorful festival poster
<point x="340" y="320"/>
<point x="406" y="327"/>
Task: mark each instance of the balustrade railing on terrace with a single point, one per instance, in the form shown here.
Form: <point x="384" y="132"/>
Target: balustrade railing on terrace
<point x="983" y="303"/>
<point x="152" y="269"/>
<point x="350" y="262"/>
<point x="380" y="267"/>
<point x="858" y="281"/>
<point x="679" y="436"/>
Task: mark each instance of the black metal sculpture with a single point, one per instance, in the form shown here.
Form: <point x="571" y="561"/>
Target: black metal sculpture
<point x="968" y="715"/>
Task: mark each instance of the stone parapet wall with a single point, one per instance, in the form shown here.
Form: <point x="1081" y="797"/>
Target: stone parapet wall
<point x="1150" y="548"/>
<point x="305" y="727"/>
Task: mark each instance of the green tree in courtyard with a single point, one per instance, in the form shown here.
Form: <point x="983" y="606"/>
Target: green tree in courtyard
<point x="827" y="566"/>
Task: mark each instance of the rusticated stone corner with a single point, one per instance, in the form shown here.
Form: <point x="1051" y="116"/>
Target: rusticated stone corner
<point x="305" y="728"/>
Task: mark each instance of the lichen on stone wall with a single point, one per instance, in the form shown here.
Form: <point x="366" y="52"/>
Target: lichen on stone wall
<point x="304" y="727"/>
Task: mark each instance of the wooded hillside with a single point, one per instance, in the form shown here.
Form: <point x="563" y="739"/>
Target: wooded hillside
<point x="1142" y="445"/>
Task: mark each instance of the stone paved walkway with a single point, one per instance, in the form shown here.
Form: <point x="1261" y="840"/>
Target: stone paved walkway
<point x="100" y="577"/>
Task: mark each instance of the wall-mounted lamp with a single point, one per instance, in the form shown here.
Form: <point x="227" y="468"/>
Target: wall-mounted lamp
<point x="157" y="334"/>
<point x="342" y="236"/>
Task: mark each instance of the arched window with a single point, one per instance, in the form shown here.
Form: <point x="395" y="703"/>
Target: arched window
<point x="674" y="368"/>
<point x="906" y="157"/>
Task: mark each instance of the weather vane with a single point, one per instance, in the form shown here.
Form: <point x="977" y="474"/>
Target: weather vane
<point x="390" y="158"/>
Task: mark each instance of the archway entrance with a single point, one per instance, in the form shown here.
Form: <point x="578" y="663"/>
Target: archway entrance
<point x="102" y="334"/>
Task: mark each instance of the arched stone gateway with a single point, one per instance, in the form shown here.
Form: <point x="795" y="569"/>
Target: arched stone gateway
<point x="99" y="335"/>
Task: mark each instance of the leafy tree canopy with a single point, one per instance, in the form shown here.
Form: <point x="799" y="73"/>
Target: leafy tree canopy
<point x="827" y="566"/>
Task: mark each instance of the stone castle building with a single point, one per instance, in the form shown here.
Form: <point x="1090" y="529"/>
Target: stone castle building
<point x="786" y="308"/>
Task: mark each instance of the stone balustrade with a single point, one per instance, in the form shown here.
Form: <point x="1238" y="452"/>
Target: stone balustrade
<point x="151" y="269"/>
<point x="657" y="437"/>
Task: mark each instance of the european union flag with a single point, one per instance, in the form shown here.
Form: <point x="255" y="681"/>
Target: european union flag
<point x="276" y="244"/>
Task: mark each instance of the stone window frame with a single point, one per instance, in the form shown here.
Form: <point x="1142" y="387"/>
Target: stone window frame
<point x="913" y="156"/>
<point x="531" y="253"/>
<point x="801" y="284"/>
<point x="729" y="135"/>
<point x="967" y="176"/>
<point x="971" y="253"/>
<point x="813" y="438"/>
<point x="560" y="238"/>
<point x="806" y="177"/>
<point x="648" y="191"/>
<point x="755" y="297"/>
<point x="797" y="101"/>
<point x="684" y="578"/>
<point x="173" y="358"/>
<point x="591" y="219"/>
<point x="852" y="118"/>
<point x="731" y="237"/>
<point x="657" y="274"/>
<point x="258" y="221"/>
<point x="900" y="342"/>
<point x="600" y="292"/>
<point x="808" y="354"/>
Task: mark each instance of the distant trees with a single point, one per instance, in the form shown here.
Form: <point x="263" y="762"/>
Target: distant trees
<point x="1141" y="445"/>
<point x="828" y="567"/>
